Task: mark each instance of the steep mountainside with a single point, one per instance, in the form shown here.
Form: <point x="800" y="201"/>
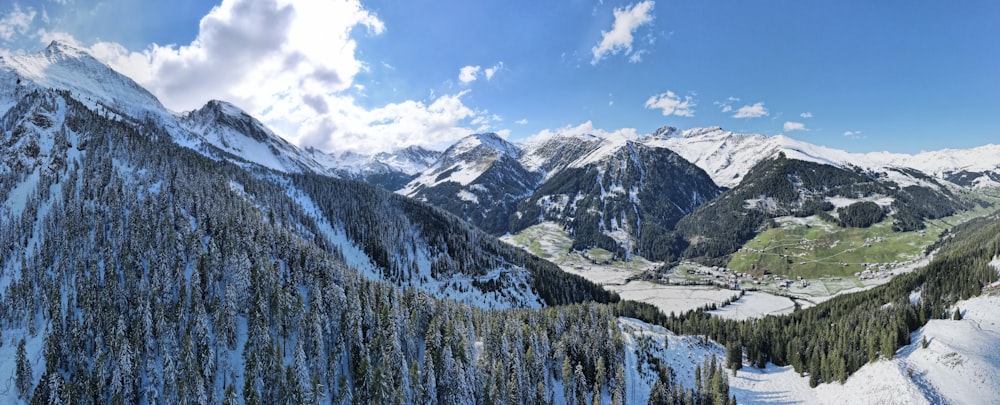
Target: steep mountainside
<point x="627" y="202"/>
<point x="479" y="179"/>
<point x="236" y="133"/>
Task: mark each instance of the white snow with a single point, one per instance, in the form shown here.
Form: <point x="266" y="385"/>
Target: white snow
<point x="682" y="353"/>
<point x="840" y="202"/>
<point x="467" y="196"/>
<point x="676" y="299"/>
<point x="755" y="304"/>
<point x="727" y="156"/>
<point x="959" y="366"/>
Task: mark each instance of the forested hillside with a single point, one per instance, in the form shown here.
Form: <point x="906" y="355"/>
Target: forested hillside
<point x="137" y="271"/>
<point x="783" y="187"/>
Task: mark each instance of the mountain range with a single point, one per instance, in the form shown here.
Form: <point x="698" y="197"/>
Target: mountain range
<point x="152" y="256"/>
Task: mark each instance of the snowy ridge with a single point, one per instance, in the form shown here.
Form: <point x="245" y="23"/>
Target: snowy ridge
<point x="683" y="353"/>
<point x="64" y="67"/>
<point x="728" y="156"/>
<point x="555" y="153"/>
<point x="409" y="161"/>
<point x="464" y="162"/>
<point x="232" y="130"/>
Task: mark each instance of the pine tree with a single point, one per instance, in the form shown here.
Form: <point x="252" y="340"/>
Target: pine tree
<point x="734" y="356"/>
<point x="23" y="379"/>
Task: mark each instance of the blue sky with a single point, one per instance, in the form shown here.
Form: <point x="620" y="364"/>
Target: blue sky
<point x="902" y="76"/>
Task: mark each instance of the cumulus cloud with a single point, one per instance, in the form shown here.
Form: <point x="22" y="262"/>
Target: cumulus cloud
<point x="794" y="126"/>
<point x="16" y="21"/>
<point x="467" y="74"/>
<point x="522" y="121"/>
<point x="490" y="71"/>
<point x="350" y="127"/>
<point x="671" y="104"/>
<point x="853" y="134"/>
<point x="619" y="39"/>
<point x="292" y="64"/>
<point x="755" y="110"/>
<point x="806" y="115"/>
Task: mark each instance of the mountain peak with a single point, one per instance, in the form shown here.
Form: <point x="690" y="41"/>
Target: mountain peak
<point x="65" y="66"/>
<point x="487" y="140"/>
<point x="224" y="107"/>
<point x="59" y="48"/>
<point x="665" y="131"/>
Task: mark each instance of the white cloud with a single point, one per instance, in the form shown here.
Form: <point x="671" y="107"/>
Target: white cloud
<point x="348" y="126"/>
<point x="751" y="111"/>
<point x="586" y="128"/>
<point x="636" y="56"/>
<point x="726" y="106"/>
<point x="794" y="126"/>
<point x="522" y="121"/>
<point x="853" y="134"/>
<point x="620" y="38"/>
<point x="671" y="104"/>
<point x="806" y="115"/>
<point x="490" y="71"/>
<point x="17" y="21"/>
<point x="467" y="74"/>
<point x="292" y="64"/>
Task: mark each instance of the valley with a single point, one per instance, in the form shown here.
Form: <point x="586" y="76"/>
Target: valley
<point x="799" y="263"/>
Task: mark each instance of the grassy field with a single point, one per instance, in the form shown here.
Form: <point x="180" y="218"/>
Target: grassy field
<point x="550" y="242"/>
<point x="812" y="248"/>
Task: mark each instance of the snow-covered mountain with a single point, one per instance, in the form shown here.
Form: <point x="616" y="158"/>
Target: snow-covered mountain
<point x="64" y="67"/>
<point x="728" y="156"/>
<point x="148" y="257"/>
<point x="464" y="162"/>
<point x="233" y="131"/>
<point x="626" y="202"/>
<point x="613" y="192"/>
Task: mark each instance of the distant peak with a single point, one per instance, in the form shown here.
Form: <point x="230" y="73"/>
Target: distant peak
<point x="665" y="132"/>
<point x="488" y="136"/>
<point x="63" y="48"/>
<point x="224" y="106"/>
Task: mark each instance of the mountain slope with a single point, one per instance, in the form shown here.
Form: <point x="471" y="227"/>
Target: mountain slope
<point x="728" y="156"/>
<point x="63" y="67"/>
<point x="627" y="202"/>
<point x="783" y="186"/>
<point x="235" y="132"/>
<point x="479" y="179"/>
